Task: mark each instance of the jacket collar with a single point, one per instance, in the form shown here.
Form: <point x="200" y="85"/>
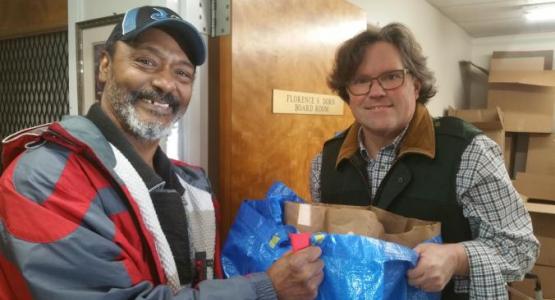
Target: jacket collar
<point x="116" y="137"/>
<point x="419" y="137"/>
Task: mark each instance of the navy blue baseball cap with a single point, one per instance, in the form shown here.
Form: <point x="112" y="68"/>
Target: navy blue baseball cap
<point x="138" y="20"/>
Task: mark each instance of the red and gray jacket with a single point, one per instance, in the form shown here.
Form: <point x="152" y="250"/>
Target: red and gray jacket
<point x="77" y="222"/>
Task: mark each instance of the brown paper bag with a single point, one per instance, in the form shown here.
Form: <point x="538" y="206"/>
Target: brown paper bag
<point x="362" y="220"/>
<point x="353" y="221"/>
<point x="305" y="217"/>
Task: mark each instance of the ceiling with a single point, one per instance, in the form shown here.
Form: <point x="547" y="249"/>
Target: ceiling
<point x="483" y="18"/>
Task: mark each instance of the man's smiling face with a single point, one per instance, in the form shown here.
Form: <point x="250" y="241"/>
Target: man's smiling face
<point x="148" y="84"/>
<point x="384" y="113"/>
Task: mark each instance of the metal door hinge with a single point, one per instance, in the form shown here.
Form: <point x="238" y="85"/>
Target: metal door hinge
<point x="211" y="17"/>
<point x="221" y="17"/>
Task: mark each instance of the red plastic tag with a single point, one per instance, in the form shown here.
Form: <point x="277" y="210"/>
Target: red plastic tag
<point x="300" y="241"/>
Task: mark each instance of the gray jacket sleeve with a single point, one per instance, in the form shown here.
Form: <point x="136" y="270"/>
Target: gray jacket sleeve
<point x="253" y="286"/>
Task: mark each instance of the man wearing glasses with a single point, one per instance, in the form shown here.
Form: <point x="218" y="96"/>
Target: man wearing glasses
<point x="397" y="157"/>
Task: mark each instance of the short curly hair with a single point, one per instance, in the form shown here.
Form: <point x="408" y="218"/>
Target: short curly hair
<point x="351" y="53"/>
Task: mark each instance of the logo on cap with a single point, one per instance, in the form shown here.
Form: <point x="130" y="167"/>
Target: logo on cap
<point x="161" y="15"/>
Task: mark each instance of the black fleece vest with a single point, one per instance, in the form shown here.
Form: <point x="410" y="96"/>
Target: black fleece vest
<point x="415" y="186"/>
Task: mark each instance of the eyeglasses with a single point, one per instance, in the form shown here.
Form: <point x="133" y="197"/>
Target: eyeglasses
<point x="388" y="81"/>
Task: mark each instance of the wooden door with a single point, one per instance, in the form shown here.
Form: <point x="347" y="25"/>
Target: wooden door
<point x="274" y="44"/>
<point x="32" y="17"/>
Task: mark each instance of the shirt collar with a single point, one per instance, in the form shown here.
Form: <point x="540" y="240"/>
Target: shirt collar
<point x="418" y="137"/>
<point x="394" y="144"/>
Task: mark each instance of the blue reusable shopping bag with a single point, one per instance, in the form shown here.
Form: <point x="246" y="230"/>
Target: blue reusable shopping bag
<point x="355" y="267"/>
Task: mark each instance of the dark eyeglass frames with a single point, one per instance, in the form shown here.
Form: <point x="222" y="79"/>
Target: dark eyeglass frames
<point x="388" y="81"/>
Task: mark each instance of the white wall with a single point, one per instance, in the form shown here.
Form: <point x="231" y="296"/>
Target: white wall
<point x="191" y="141"/>
<point x="443" y="42"/>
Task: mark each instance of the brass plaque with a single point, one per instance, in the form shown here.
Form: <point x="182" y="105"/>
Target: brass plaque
<point x="289" y="102"/>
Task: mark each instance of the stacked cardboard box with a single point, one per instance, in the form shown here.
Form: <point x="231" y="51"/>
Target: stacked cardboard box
<point x="538" y="188"/>
<point x="525" y="97"/>
<point x="522" y="85"/>
<point x="490" y="121"/>
<point x="545" y="265"/>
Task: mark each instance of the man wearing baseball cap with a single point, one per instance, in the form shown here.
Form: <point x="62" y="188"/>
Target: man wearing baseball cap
<point x="92" y="208"/>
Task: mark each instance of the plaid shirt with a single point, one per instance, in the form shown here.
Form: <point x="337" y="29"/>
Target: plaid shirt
<point x="503" y="248"/>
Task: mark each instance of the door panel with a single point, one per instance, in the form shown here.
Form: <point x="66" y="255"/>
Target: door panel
<point x="274" y="44"/>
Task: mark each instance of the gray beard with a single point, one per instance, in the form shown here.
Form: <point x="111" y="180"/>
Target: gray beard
<point x="125" y="111"/>
<point x="147" y="131"/>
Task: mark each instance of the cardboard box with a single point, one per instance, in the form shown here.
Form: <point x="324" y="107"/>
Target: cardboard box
<point x="490" y="121"/>
<point x="536" y="186"/>
<point x="535" y="207"/>
<point x="525" y="97"/>
<point x="517" y="64"/>
<point x="543" y="219"/>
<point x="539" y="195"/>
<point x="521" y="60"/>
<point x="544" y="231"/>
<point x="546" y="275"/>
<point x="516" y="144"/>
<point x="541" y="154"/>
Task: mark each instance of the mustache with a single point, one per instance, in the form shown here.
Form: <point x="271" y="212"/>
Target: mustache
<point x="154" y="96"/>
